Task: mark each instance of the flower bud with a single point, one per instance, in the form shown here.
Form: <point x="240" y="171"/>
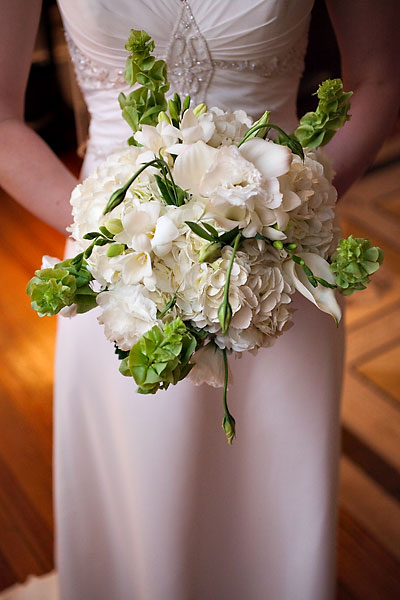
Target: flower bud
<point x="115" y="250"/>
<point x="173" y="110"/>
<point x="114" y="226"/>
<point x="225" y="315"/>
<point x="200" y="109"/>
<point x="228" y="425"/>
<point x="162" y="116"/>
<point x="210" y="252"/>
<point x="278" y="245"/>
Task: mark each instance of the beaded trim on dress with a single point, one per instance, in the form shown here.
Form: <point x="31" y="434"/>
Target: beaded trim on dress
<point x="190" y="66"/>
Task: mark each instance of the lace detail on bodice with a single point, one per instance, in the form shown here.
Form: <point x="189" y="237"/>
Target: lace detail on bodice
<point x="190" y="67"/>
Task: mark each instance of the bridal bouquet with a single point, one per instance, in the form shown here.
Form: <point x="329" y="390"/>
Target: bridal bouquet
<point x="195" y="237"/>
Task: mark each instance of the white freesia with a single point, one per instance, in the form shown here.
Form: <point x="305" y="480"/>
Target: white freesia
<point x="127" y="313"/>
<point x="321" y="296"/>
<point x="165" y="232"/>
<point x="157" y="139"/>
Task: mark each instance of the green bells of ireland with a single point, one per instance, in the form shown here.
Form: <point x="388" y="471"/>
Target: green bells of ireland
<point x="353" y="262"/>
<point x="67" y="283"/>
<point x="318" y="128"/>
<point x="160" y="357"/>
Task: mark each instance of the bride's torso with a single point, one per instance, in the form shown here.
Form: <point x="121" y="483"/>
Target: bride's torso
<point x="231" y="53"/>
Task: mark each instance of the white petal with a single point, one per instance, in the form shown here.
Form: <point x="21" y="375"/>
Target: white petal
<point x="149" y="138"/>
<point x="191" y="165"/>
<point x="270" y="159"/>
<point x="323" y="297"/>
<point x="135" y="266"/>
<point x="165" y="232"/>
<point x="273" y="234"/>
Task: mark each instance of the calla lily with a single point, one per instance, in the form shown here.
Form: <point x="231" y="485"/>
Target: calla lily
<point x="191" y="165"/>
<point x="272" y="160"/>
<point x="323" y="297"/>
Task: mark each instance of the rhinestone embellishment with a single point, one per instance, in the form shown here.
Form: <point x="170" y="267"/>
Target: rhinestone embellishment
<point x="190" y="67"/>
<point x="90" y="73"/>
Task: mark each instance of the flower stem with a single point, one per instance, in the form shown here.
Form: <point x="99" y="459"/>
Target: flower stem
<point x="225" y="309"/>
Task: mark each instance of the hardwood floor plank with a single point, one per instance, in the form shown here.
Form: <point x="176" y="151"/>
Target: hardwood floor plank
<point x="375" y="511"/>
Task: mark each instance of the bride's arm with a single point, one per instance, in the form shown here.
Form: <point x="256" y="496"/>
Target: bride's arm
<point x="29" y="171"/>
<point x="368" y="38"/>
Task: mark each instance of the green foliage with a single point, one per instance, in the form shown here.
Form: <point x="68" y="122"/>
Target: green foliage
<point x="353" y="263"/>
<point x="142" y="106"/>
<point x="318" y="128"/>
<point x="160" y="357"/>
<point x="67" y="283"/>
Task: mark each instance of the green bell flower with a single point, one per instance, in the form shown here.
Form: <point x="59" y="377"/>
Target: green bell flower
<point x="66" y="283"/>
<point x="318" y="128"/>
<point x="353" y="263"/>
<point x="160" y="357"/>
<point x="51" y="290"/>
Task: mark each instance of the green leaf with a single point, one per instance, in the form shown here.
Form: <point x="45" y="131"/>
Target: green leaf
<point x="198" y="230"/>
<point x="210" y="229"/>
<point x="92" y="235"/>
<point x="228" y="237"/>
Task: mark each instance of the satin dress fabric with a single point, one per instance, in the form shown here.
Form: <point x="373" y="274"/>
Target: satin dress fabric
<point x="151" y="502"/>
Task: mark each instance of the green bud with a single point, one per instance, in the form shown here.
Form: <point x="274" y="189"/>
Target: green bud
<point x="162" y="116"/>
<point x="186" y="103"/>
<point x="291" y="246"/>
<point x="278" y="245"/>
<point x="210" y="252"/>
<point x="173" y="109"/>
<point x="262" y="121"/>
<point x="225" y="315"/>
<point x="228" y="425"/>
<point x="200" y="109"/>
<point x="115" y="250"/>
<point x="114" y="226"/>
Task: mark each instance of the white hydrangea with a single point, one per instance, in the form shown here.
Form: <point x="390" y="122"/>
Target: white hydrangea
<point x="312" y="224"/>
<point x="228" y="127"/>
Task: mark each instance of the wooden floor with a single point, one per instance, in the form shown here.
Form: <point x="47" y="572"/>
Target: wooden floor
<point x="369" y="517"/>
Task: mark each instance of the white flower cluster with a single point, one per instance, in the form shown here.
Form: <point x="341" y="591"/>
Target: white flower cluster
<point x="261" y="188"/>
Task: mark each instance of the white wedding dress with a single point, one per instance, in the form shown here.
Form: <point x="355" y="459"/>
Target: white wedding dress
<point x="151" y="502"/>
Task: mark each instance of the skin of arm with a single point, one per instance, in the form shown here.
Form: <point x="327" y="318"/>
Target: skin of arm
<point x="29" y="170"/>
<point x="367" y="34"/>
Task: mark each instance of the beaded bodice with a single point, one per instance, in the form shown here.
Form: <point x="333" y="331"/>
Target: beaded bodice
<point x="227" y="53"/>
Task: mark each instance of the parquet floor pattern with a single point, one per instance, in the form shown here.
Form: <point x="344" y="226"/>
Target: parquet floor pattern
<point x="369" y="516"/>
